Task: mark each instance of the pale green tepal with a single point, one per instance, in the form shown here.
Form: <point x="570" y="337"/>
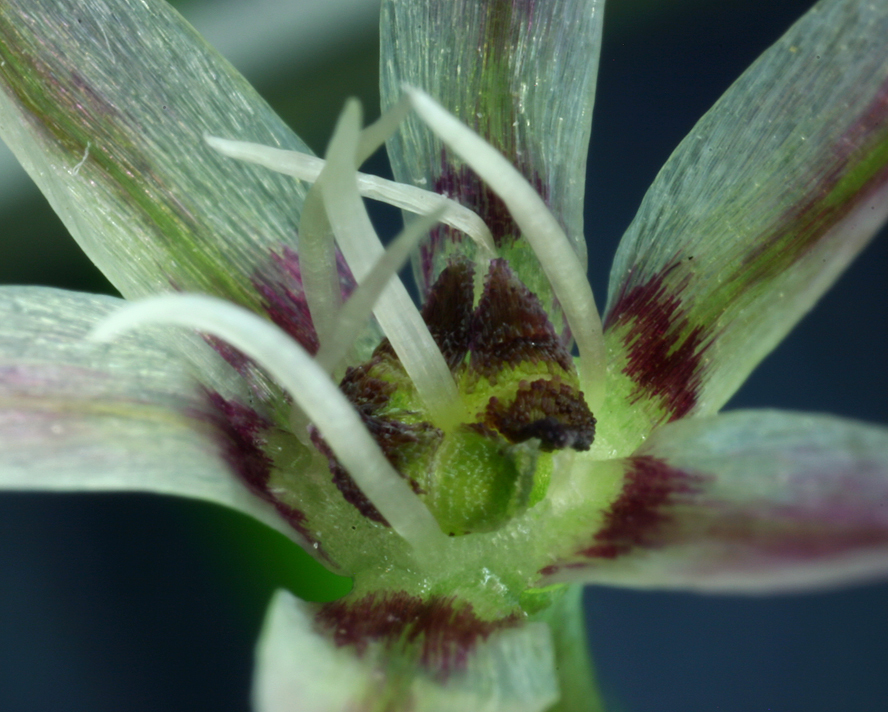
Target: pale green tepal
<point x="456" y="460"/>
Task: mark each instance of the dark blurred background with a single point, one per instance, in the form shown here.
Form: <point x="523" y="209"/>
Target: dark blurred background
<point x="130" y="603"/>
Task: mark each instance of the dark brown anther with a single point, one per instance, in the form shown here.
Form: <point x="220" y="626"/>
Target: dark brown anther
<point x="510" y="327"/>
<point x="549" y="410"/>
<point x="448" y="311"/>
<point x="402" y="443"/>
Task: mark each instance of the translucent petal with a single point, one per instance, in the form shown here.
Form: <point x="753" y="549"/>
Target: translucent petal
<point x="106" y="103"/>
<point x="759" y="209"/>
<point x="522" y="75"/>
<point x="76" y="416"/>
<point x="747" y="502"/>
<point x="296" y="670"/>
<point x="301" y="669"/>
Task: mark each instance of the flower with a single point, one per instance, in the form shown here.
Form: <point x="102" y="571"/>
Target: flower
<point x="565" y="475"/>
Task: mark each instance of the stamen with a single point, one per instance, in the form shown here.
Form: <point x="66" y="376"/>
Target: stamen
<point x="406" y="197"/>
<point x="309" y="386"/>
<point x="377" y="133"/>
<point x="552" y="247"/>
<point x="356" y="311"/>
<point x="317" y="264"/>
<point x="320" y="277"/>
<point x="395" y="311"/>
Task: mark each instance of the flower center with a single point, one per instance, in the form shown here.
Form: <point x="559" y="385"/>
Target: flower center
<point x="520" y="388"/>
<point x="451" y="424"/>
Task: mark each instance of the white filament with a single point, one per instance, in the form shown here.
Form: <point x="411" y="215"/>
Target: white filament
<point x="552" y="247"/>
<point x="395" y="310"/>
<point x="356" y="311"/>
<point x="320" y="283"/>
<point x="406" y="197"/>
<point x="377" y="133"/>
<point x="317" y="264"/>
<point x="317" y="251"/>
<point x="310" y="387"/>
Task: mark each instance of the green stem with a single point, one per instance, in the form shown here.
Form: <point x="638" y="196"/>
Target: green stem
<point x="576" y="673"/>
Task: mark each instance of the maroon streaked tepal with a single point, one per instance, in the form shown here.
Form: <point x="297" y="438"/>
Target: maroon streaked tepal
<point x="460" y="183"/>
<point x="242" y="435"/>
<point x="664" y="351"/>
<point x="830" y="524"/>
<point x="846" y="179"/>
<point x="279" y="282"/>
<point x="444" y="631"/>
<point x="640" y="516"/>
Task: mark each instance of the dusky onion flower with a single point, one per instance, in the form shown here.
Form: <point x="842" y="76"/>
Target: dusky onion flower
<point x="456" y="459"/>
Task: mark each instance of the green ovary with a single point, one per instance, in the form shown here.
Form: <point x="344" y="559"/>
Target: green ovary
<point x="478" y="483"/>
